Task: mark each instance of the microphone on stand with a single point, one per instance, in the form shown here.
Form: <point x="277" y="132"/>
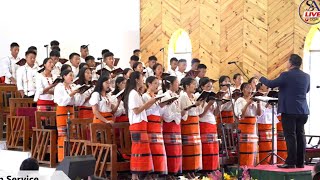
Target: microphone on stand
<point x="317" y="86"/>
<point x="161" y="49"/>
<point x="232" y="62"/>
<point x="47" y="49"/>
<point x="46" y="45"/>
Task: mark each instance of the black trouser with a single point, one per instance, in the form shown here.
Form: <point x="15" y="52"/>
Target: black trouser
<point x="293" y="129"/>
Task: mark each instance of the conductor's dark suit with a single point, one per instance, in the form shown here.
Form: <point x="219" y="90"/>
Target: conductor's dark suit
<point x="293" y="87"/>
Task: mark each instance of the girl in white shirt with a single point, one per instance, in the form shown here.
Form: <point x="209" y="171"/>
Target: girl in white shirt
<point x="120" y="114"/>
<point x="66" y="96"/>
<point x="190" y="132"/>
<point x="247" y="110"/>
<point x="102" y="105"/>
<point x="171" y="127"/>
<point x="45" y="87"/>
<point x="141" y="159"/>
<point x="208" y="130"/>
<point x="85" y="78"/>
<point x="158" y="71"/>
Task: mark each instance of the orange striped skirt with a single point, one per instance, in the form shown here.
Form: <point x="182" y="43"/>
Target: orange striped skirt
<point x="107" y="115"/>
<point x="85" y="112"/>
<point x="210" y="146"/>
<point x="141" y="158"/>
<point x="61" y="119"/>
<point x="45" y="105"/>
<point x="122" y="118"/>
<point x="191" y="145"/>
<point x="226" y="116"/>
<point x="248" y="141"/>
<point x="172" y="142"/>
<point x="265" y="141"/>
<point x="281" y="142"/>
<point x="157" y="148"/>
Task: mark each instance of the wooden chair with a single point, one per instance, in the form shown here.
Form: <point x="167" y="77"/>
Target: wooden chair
<point x="313" y="149"/>
<point x="231" y="142"/>
<point x="20" y="102"/>
<point x="122" y="137"/>
<point x="6" y="92"/>
<point x="101" y="133"/>
<point x="17" y="130"/>
<point x="79" y="136"/>
<point x="44" y="138"/>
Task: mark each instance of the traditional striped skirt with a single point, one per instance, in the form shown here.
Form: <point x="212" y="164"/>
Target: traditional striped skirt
<point x="281" y="142"/>
<point x="122" y="118"/>
<point x="85" y="112"/>
<point x="141" y="158"/>
<point x="61" y="118"/>
<point x="45" y="105"/>
<point x="172" y="142"/>
<point x="191" y="145"/>
<point x="210" y="146"/>
<point x="265" y="141"/>
<point x="107" y="115"/>
<point x="157" y="148"/>
<point x="226" y="116"/>
<point x="248" y="141"/>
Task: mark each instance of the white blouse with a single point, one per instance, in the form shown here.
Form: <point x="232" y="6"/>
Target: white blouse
<point x="56" y="70"/>
<point x="185" y="101"/>
<point x="135" y="101"/>
<point x="171" y="112"/>
<point x="104" y="103"/>
<point x="62" y="96"/>
<point x="43" y="82"/>
<point x="228" y="105"/>
<point x="85" y="95"/>
<point x="240" y="104"/>
<point x="209" y="116"/>
<point x="266" y="114"/>
<point x="121" y="110"/>
<point x="154" y="109"/>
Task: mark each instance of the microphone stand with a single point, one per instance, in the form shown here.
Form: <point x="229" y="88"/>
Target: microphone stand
<point x="241" y="70"/>
<point x="68" y="134"/>
<point x="162" y="50"/>
<point x="47" y="50"/>
<point x="224" y="141"/>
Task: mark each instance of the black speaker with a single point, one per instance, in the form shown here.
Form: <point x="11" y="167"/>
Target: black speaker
<point x="77" y="167"/>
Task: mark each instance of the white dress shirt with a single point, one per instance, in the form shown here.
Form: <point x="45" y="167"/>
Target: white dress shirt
<point x="172" y="72"/>
<point x="104" y="103"/>
<point x="43" y="82"/>
<point x="180" y="75"/>
<point x="75" y="70"/>
<point x="135" y="101"/>
<point x="149" y="72"/>
<point x="171" y="112"/>
<point x="9" y="68"/>
<point x="185" y="101"/>
<point x="240" y="104"/>
<point x="154" y="109"/>
<point x="62" y="96"/>
<point x="56" y="70"/>
<point x="82" y="60"/>
<point x="26" y="79"/>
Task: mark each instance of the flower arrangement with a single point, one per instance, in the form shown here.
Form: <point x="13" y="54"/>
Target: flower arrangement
<point x="217" y="175"/>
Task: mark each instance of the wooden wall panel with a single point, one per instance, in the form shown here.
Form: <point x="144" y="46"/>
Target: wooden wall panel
<point x="301" y="30"/>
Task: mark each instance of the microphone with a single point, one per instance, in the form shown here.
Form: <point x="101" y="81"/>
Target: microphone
<point x="161" y="49"/>
<point x="232" y="62"/>
<point x="46" y="45"/>
<point x="99" y="58"/>
<point x="317" y="86"/>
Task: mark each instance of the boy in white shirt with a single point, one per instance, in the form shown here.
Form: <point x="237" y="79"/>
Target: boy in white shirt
<point x="151" y="62"/>
<point x="84" y="52"/>
<point x="74" y="62"/>
<point x="8" y="64"/>
<point x="182" y="66"/>
<point x="173" y="65"/>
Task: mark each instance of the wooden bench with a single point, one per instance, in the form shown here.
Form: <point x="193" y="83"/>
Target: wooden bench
<point x="79" y="136"/>
<point x="312" y="149"/>
<point x="16" y="103"/>
<point x="18" y="132"/>
<point x="44" y="138"/>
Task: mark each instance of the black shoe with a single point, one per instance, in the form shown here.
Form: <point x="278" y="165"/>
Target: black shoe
<point x="287" y="166"/>
<point x="300" y="166"/>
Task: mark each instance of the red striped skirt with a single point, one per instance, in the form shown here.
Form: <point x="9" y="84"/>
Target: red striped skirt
<point x="85" y="112"/>
<point x="281" y="142"/>
<point x="210" y="146"/>
<point x="122" y="118"/>
<point x="45" y="105"/>
<point x="107" y="115"/>
<point x="265" y="141"/>
<point x="141" y="158"/>
<point x="61" y="118"/>
<point x="191" y="144"/>
<point x="226" y="116"/>
<point x="172" y="142"/>
<point x="248" y="141"/>
<point x="157" y="145"/>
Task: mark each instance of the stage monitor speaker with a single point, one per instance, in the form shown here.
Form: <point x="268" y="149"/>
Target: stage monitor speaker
<point x="77" y="167"/>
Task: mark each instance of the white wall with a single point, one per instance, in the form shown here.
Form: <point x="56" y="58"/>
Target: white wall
<point x="111" y="24"/>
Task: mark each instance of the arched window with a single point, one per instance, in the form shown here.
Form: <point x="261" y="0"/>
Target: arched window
<point x="180" y="47"/>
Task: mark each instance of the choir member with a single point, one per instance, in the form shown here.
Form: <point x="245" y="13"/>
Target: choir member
<point x="101" y="102"/>
<point x="190" y="133"/>
<point x="151" y="62"/>
<point x="84" y="52"/>
<point x="194" y="64"/>
<point x="90" y="60"/>
<point x="104" y="51"/>
<point x="253" y="82"/>
<point x="133" y="59"/>
<point x="138" y="67"/>
<point x="54" y="44"/>
<point x="85" y="78"/>
<point x="45" y="87"/>
<point x="158" y="71"/>
<point x="9" y="66"/>
<point x="182" y="66"/>
<point x="137" y="53"/>
<point x="265" y="125"/>
<point x="82" y="65"/>
<point x="208" y="130"/>
<point x="120" y="114"/>
<point x="55" y="56"/>
<point x="65" y="67"/>
<point x="154" y="127"/>
<point x="171" y="127"/>
<point x="225" y="109"/>
<point x="108" y="60"/>
<point x="202" y="68"/>
<point x="32" y="48"/>
<point x="66" y="96"/>
<point x="26" y="76"/>
<point x="74" y="62"/>
<point x="141" y="159"/>
<point x="247" y="110"/>
<point x="238" y="80"/>
<point x="126" y="72"/>
<point x="173" y="66"/>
